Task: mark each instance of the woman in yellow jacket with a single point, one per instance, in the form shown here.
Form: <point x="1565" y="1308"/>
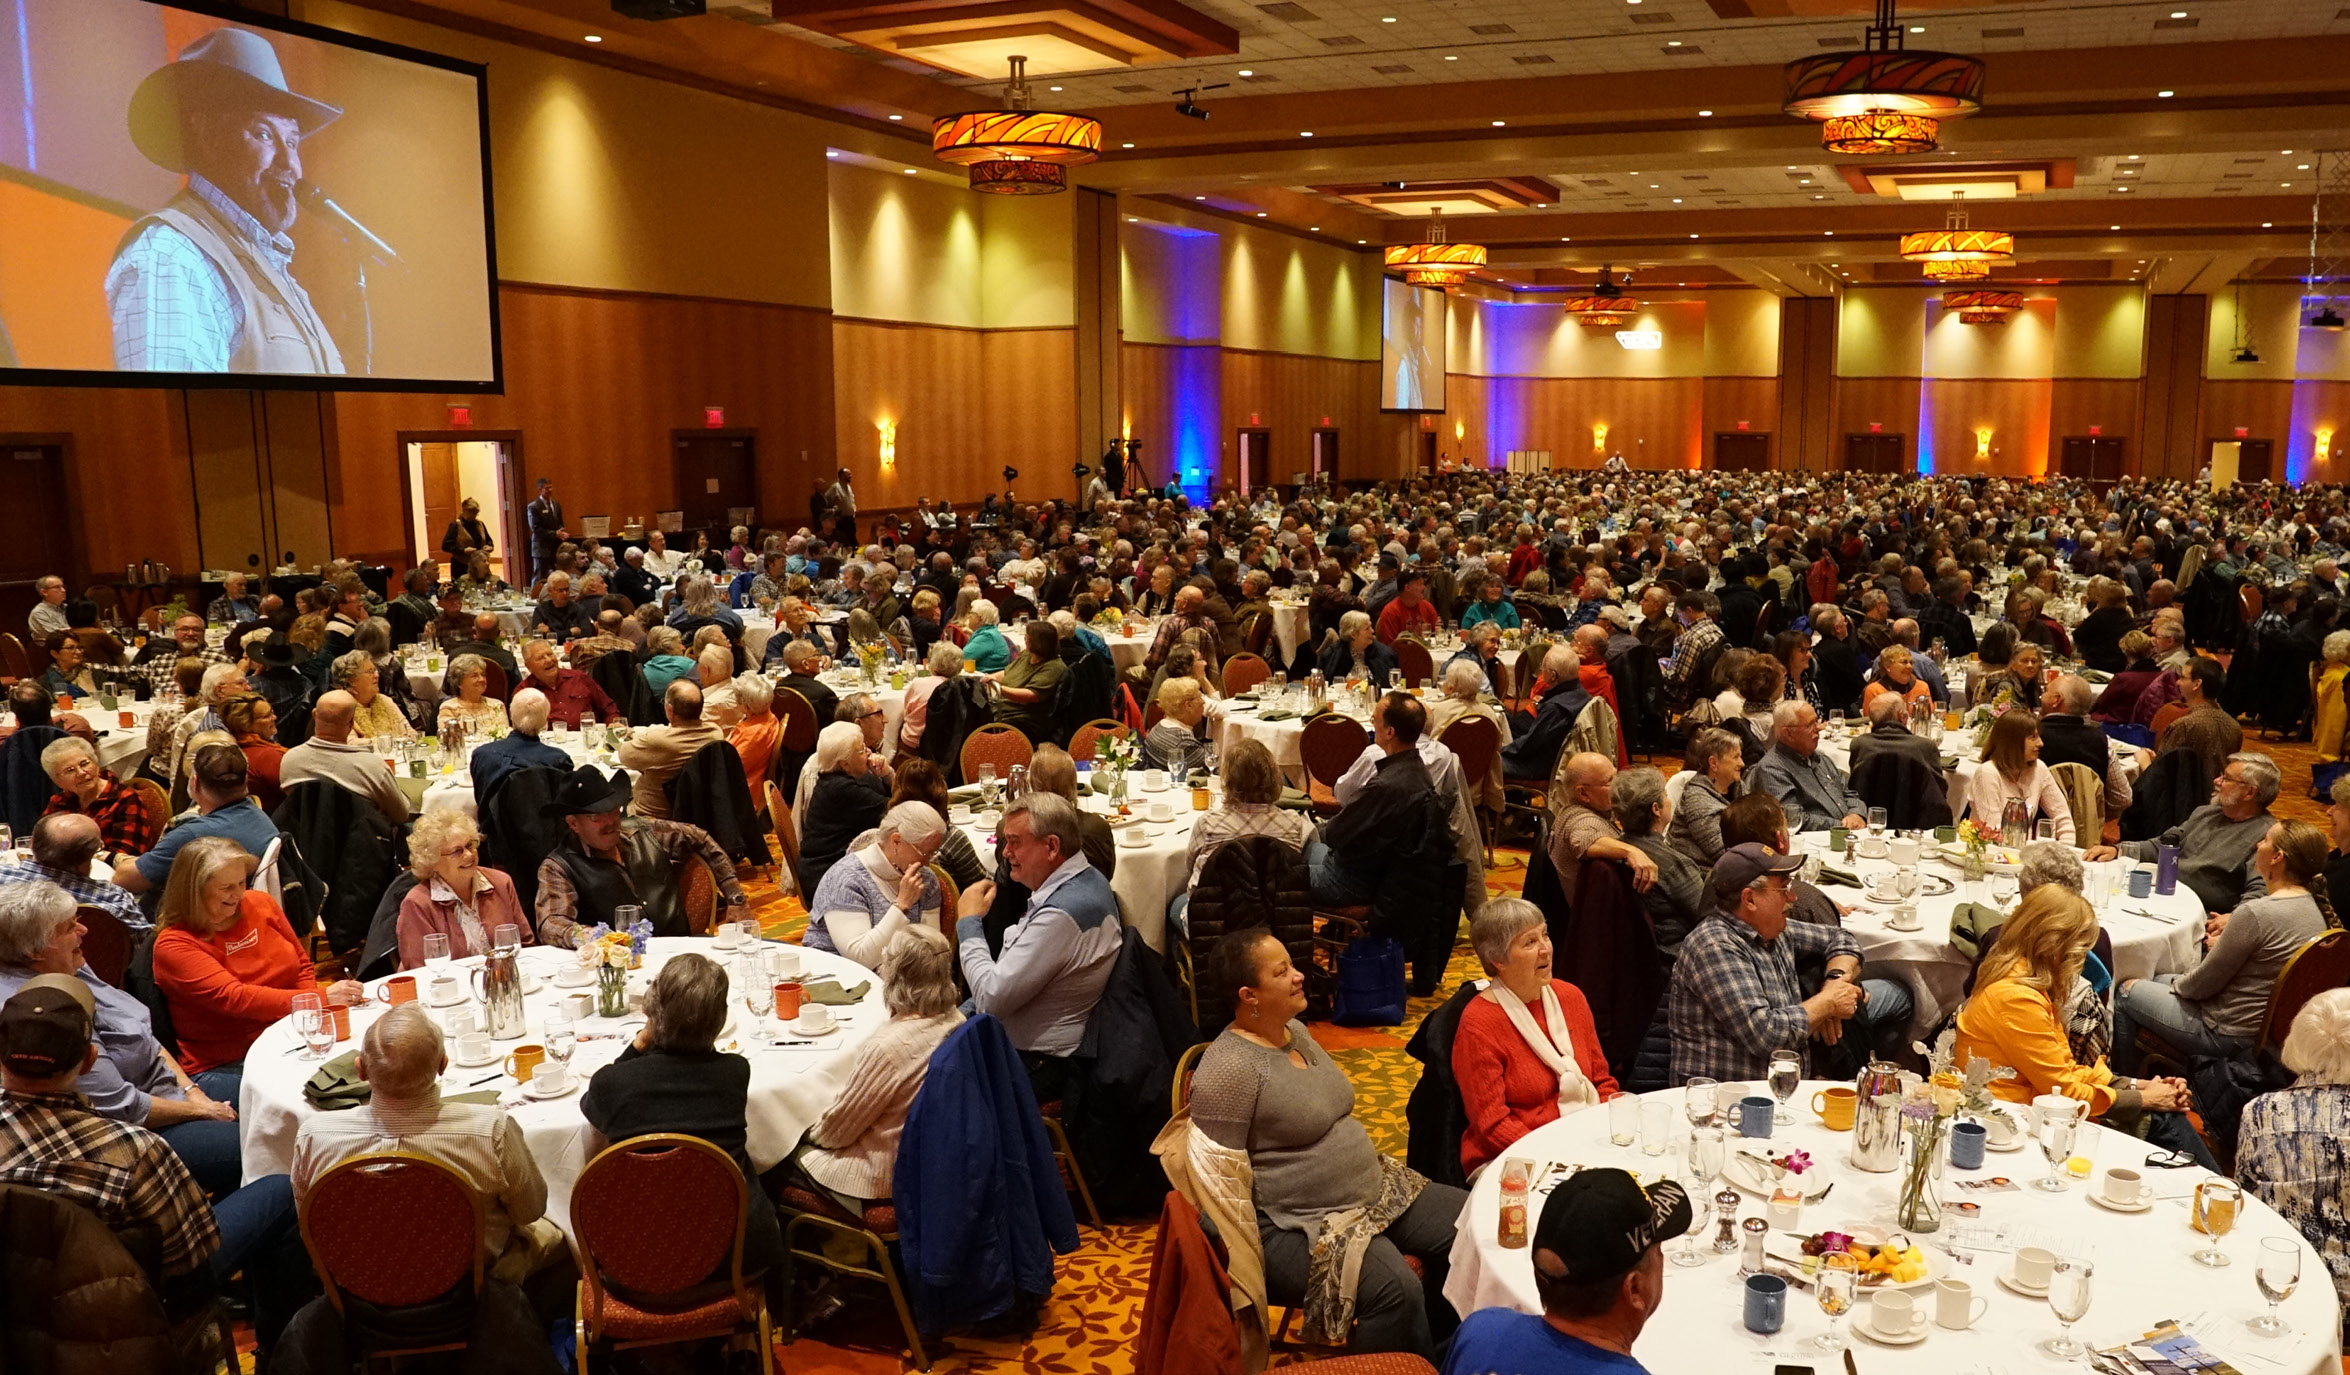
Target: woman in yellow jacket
<point x="2333" y="713"/>
<point x="2011" y="1020"/>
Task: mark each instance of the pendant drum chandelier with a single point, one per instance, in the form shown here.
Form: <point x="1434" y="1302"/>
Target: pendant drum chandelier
<point x="1983" y="307"/>
<point x="1958" y="242"/>
<point x="1605" y="306"/>
<point x="1016" y="151"/>
<point x="1883" y="98"/>
<point x="1435" y="262"/>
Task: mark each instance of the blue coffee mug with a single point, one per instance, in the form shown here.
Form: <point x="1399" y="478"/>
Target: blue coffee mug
<point x="1966" y="1145"/>
<point x="2141" y="883"/>
<point x="1754" y="1116"/>
<point x="1766" y="1303"/>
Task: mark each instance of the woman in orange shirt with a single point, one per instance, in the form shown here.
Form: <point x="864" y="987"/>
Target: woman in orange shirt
<point x="1896" y="675"/>
<point x="755" y="735"/>
<point x="226" y="959"/>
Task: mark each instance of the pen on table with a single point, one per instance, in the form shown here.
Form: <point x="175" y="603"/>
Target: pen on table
<point x="485" y="1079"/>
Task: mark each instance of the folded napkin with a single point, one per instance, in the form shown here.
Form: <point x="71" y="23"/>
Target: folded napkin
<point x="829" y="992"/>
<point x="1842" y="878"/>
<point x="2096" y="675"/>
<point x="969" y="792"/>
<point x="1276" y="716"/>
<point x="337" y="1084"/>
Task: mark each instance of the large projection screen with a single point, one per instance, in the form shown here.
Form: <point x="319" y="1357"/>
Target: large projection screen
<point x="1411" y="347"/>
<point x="191" y="199"/>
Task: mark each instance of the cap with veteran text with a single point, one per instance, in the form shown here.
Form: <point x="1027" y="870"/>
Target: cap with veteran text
<point x="1597" y="1224"/>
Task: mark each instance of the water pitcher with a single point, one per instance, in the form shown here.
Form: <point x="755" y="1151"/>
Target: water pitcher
<point x="1876" y="1118"/>
<point x="2015" y="823"/>
<point x="498" y="983"/>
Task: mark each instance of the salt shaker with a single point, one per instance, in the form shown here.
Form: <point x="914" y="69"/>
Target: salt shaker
<point x="1750" y="1262"/>
<point x="1726" y="1208"/>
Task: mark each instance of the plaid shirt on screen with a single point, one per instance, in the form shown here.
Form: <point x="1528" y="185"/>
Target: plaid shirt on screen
<point x="172" y="312"/>
<point x="127" y="1175"/>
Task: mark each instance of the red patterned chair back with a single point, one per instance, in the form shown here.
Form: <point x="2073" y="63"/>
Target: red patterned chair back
<point x="1476" y="742"/>
<point x="395" y="1230"/>
<point x="1244" y="671"/>
<point x="106" y="943"/>
<point x="1414" y="661"/>
<point x="798" y="733"/>
<point x="654" y="1250"/>
<point x="1329" y="746"/>
<point x="1081" y="744"/>
<point x="998" y="744"/>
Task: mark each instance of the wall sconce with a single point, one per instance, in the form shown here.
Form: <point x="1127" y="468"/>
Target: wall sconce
<point x="889" y="442"/>
<point x="1599" y="439"/>
<point x="2325" y="444"/>
<point x="1460" y="430"/>
<point x="1983" y="445"/>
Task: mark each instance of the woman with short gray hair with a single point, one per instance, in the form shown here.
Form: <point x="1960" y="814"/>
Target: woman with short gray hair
<point x="673" y="1078"/>
<point x="1526" y="1051"/>
<point x="1464" y="695"/>
<point x="1715" y="762"/>
<point x="1643" y="810"/>
<point x="88" y="788"/>
<point x="882" y="886"/>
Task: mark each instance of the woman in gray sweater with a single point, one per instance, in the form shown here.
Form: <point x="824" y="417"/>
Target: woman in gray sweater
<point x="1715" y="764"/>
<point x="2217" y="1007"/>
<point x="1264" y="1087"/>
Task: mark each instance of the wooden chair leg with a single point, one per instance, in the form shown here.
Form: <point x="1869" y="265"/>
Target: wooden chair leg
<point x="1068" y="1159"/>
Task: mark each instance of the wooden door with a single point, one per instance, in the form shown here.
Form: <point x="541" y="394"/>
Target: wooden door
<point x="34" y="473"/>
<point x="1876" y="453"/>
<point x="437" y="468"/>
<point x="1256" y="459"/>
<point x="1742" y="452"/>
<point x="2095" y="457"/>
<point x="716" y="470"/>
<point x="1324" y="466"/>
<point x="1427" y="451"/>
<point x="2252" y="460"/>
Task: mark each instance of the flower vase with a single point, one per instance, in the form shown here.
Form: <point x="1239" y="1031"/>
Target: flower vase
<point x="1920" y="1205"/>
<point x="611" y="990"/>
<point x="1971" y="864"/>
<point x="1118" y="791"/>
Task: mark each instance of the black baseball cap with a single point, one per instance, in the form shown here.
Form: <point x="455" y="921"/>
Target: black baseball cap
<point x="1599" y="1223"/>
<point x="1741" y="865"/>
<point x="45" y="1026"/>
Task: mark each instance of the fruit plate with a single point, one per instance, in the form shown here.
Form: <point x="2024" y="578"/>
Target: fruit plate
<point x="1787" y="1248"/>
<point x="1750" y="1170"/>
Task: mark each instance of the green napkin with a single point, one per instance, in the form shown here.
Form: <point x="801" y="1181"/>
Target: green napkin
<point x="337" y="1084"/>
<point x="1970" y="922"/>
<point x="969" y="792"/>
<point x="1840" y="877"/>
<point x="830" y="993"/>
<point x="1276" y="716"/>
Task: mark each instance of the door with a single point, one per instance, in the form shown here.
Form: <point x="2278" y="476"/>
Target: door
<point x="1742" y="452"/>
<point x="1427" y="451"/>
<point x="2095" y="457"/>
<point x="2252" y="460"/>
<point x="42" y="544"/>
<point x="716" y="471"/>
<point x="1876" y="453"/>
<point x="1324" y="467"/>
<point x="439" y="488"/>
<point x="1256" y="460"/>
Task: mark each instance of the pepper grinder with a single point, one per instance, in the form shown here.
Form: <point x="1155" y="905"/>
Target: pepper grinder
<point x="1726" y="1207"/>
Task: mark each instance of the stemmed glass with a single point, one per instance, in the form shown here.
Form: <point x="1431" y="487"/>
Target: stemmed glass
<point x="2068" y="1299"/>
<point x="987" y="786"/>
<point x="1839" y="1277"/>
<point x="2002" y="890"/>
<point x="436" y="951"/>
<point x="1786" y="1076"/>
<point x="1877" y="819"/>
<point x="2278" y="1276"/>
<point x="311" y="1024"/>
<point x="2056" y="1142"/>
<point x="1705" y="1161"/>
<point x="756" y="981"/>
<point x="2216" y="1203"/>
<point x="561" y="1039"/>
<point x="1698" y="1103"/>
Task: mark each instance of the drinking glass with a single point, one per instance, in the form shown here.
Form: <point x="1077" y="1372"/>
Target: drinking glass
<point x="1876" y="818"/>
<point x="2056" y="1142"/>
<point x="1656" y="1125"/>
<point x="2278" y="1276"/>
<point x="1698" y="1101"/>
<point x="436" y="950"/>
<point x="987" y="785"/>
<point x="1708" y="1149"/>
<point x="1701" y="1206"/>
<point x="561" y="1039"/>
<point x="2068" y="1299"/>
<point x="312" y="1025"/>
<point x="1623" y="1119"/>
<point x="2044" y="829"/>
<point x="1836" y="720"/>
<point x="1786" y="1076"/>
<point x="2002" y="890"/>
<point x="2216" y="1204"/>
<point x="757" y="983"/>
<point x="1838" y="1278"/>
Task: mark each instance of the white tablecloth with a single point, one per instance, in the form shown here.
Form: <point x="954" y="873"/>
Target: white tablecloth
<point x="2143" y="1269"/>
<point x="453" y="790"/>
<point x="1291" y="623"/>
<point x="1960" y="745"/>
<point x="1239" y="721"/>
<point x="2166" y="939"/>
<point x="790" y="1086"/>
<point x="120" y="748"/>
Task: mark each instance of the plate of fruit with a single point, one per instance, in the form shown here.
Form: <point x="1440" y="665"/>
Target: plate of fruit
<point x="1886" y="1262"/>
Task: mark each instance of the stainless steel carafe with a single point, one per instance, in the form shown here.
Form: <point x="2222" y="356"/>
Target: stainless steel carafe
<point x="1876" y="1118"/>
<point x="498" y="983"/>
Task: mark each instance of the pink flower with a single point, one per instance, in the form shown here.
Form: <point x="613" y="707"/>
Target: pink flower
<point x="1795" y="1162"/>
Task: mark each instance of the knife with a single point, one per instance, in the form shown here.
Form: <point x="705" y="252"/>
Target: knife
<point x="1851" y="1367"/>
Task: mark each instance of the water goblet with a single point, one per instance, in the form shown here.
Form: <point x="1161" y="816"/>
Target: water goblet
<point x="312" y="1024"/>
<point x="1839" y="1277"/>
<point x="1698" y="1101"/>
<point x="2056" y="1142"/>
<point x="2217" y="1201"/>
<point x="2068" y="1299"/>
<point x="436" y="950"/>
<point x="1786" y="1075"/>
<point x="2278" y="1276"/>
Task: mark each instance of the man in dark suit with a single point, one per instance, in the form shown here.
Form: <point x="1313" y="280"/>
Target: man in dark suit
<point x="1836" y="662"/>
<point x="631" y="580"/>
<point x="2066" y="735"/>
<point x="800" y="661"/>
<point x="544" y="515"/>
<point x="1889" y="733"/>
<point x="1534" y="750"/>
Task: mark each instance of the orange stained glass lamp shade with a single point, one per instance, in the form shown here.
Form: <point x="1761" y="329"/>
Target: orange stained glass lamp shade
<point x="1016" y="152"/>
<point x="1957" y="272"/>
<point x="1880" y="131"/>
<point x="1983" y="307"/>
<point x="1958" y="246"/>
<point x="1942" y="85"/>
<point x="1435" y="264"/>
<point x="1600" y="311"/>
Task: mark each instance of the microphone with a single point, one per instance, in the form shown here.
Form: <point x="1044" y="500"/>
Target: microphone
<point x="314" y="196"/>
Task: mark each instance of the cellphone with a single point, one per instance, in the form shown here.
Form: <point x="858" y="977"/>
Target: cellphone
<point x="1792" y="1370"/>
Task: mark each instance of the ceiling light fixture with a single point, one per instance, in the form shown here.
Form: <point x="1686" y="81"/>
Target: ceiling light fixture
<point x="1435" y="262"/>
<point x="1983" y="307"/>
<point x="895" y="118"/>
<point x="1957" y="272"/>
<point x="1956" y="242"/>
<point x="1884" y="78"/>
<point x="2164" y="95"/>
<point x="1880" y="131"/>
<point x="1605" y="306"/>
<point x="1500" y="123"/>
<point x="1126" y="145"/>
<point x="595" y="38"/>
<point x="1016" y="150"/>
<point x="1450" y="58"/>
<point x="1705" y="114"/>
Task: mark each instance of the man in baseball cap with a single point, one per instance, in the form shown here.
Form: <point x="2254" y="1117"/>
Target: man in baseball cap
<point x="1599" y="1268"/>
<point x="45" y="1029"/>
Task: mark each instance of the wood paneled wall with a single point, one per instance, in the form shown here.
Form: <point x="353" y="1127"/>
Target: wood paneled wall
<point x="1290" y="396"/>
<point x="596" y="381"/>
<point x="2264" y="409"/>
<point x="1730" y="400"/>
<point x="1859" y="402"/>
<point x="967" y="403"/>
<point x="2015" y="410"/>
<point x="1654" y="422"/>
<point x="2111" y="404"/>
<point x="127" y="471"/>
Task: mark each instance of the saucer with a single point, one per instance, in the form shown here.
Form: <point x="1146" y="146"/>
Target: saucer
<point x="2009" y="1282"/>
<point x="494" y="1057"/>
<point x="1869" y="1330"/>
<point x="574" y="976"/>
<point x="2014" y="1143"/>
<point x="570" y="1086"/>
<point x="2143" y="1206"/>
<point x="1133" y="838"/>
<point x="799" y="1030"/>
<point x="459" y="1001"/>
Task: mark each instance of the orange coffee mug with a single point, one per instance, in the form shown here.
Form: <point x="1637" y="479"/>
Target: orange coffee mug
<point x="524" y="1060"/>
<point x="341" y="1017"/>
<point x="1835" y="1107"/>
<point x="1199" y="798"/>
<point x="127" y="719"/>
<point x="789" y="994"/>
<point x="398" y="989"/>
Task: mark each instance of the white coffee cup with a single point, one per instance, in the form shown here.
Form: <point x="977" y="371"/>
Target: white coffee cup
<point x="2126" y="1187"/>
<point x="1162" y="811"/>
<point x="783" y="962"/>
<point x="1893" y="1313"/>
<point x="727" y="935"/>
<point x="550" y="1077"/>
<point x="2054" y="1104"/>
<point x="474" y="1046"/>
<point x="445" y="990"/>
<point x="1955" y="1304"/>
<point x="1903" y="851"/>
<point x="2033" y="1265"/>
<point x="1726" y="1098"/>
<point x="1154" y="780"/>
<point x="1883" y="884"/>
<point x="1905" y="918"/>
<point x="815" y="1017"/>
<point x="1999" y="1130"/>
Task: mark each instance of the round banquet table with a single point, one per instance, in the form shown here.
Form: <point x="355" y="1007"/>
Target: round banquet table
<point x="2151" y="935"/>
<point x="791" y="1086"/>
<point x="1151" y="869"/>
<point x="2144" y="1272"/>
<point x="120" y="748"/>
<point x="1959" y="746"/>
<point x="453" y="790"/>
<point x="1238" y="721"/>
<point x="1128" y="651"/>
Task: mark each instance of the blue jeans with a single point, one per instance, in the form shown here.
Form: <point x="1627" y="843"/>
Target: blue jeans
<point x="1879" y="1030"/>
<point x="2155" y="1006"/>
<point x="1330" y="883"/>
<point x="210" y="1149"/>
<point x="260" y="1236"/>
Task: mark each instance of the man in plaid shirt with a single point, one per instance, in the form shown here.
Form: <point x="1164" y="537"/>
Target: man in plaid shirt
<point x="1735" y="997"/>
<point x="1699" y="636"/>
<point x="50" y="1141"/>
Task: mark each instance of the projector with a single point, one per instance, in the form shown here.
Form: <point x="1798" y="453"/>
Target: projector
<point x="2328" y="318"/>
<point x="1189" y="110"/>
<point x="2244" y="355"/>
<point x="658" y="9"/>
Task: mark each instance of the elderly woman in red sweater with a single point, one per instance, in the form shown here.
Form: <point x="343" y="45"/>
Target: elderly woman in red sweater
<point x="1527" y="1052"/>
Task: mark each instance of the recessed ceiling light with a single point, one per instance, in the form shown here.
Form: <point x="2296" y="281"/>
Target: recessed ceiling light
<point x="2285" y="152"/>
<point x="1693" y="236"/>
<point x="1132" y="220"/>
<point x="2129" y="171"/>
<point x="1199" y="198"/>
<point x="1260" y="214"/>
<point x="1450" y="58"/>
<point x="2165" y="95"/>
<point x="1792" y="167"/>
<point x="1362" y="241"/>
<point x="1387" y="19"/>
<point x="2124" y="190"/>
<point x="2114" y="226"/>
<point x="1313" y="229"/>
<point x="2284" y="183"/>
<point x="2178" y="14"/>
<point x="2301" y="167"/>
<point x="830" y="153"/>
<point x="1673" y="43"/>
<point x="1705" y="114"/>
<point x="595" y="38"/>
<point x="897" y="117"/>
<point x="1126" y="145"/>
<point x="1305" y="133"/>
<point x="1565" y="238"/>
<point x="1246" y="72"/>
<point x="1676" y="200"/>
<point x="1819" y="198"/>
<point x="2131" y="158"/>
<point x="2265" y="224"/>
<point x="1831" y="233"/>
<point x="1655" y="187"/>
<point x="1499" y="123"/>
<point x="909" y="171"/>
<point x="1917" y="28"/>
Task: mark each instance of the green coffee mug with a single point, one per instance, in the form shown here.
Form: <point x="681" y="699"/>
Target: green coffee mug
<point x="1944" y="835"/>
<point x="1837" y="837"/>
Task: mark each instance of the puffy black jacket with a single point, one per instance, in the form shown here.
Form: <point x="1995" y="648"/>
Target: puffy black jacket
<point x="1250" y="881"/>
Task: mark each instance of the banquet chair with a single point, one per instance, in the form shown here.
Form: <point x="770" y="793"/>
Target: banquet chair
<point x="1414" y="660"/>
<point x="1329" y="745"/>
<point x="1244" y="671"/>
<point x="106" y="942"/>
<point x="697" y="894"/>
<point x="1186" y="1065"/>
<point x="1256" y="632"/>
<point x="415" y="1283"/>
<point x="1086" y="738"/>
<point x="14" y="662"/>
<point x="1476" y="742"/>
<point x="154" y="799"/>
<point x="787" y="836"/>
<point x="2322" y="963"/>
<point x="661" y="1256"/>
<point x="998" y="744"/>
<point x="496" y="688"/>
<point x="2170" y="712"/>
<point x="876" y="1230"/>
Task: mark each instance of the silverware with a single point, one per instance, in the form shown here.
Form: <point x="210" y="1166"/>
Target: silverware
<point x="1851" y="1367"/>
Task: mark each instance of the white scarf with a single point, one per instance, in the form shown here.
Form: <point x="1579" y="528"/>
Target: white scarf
<point x="1554" y="1049"/>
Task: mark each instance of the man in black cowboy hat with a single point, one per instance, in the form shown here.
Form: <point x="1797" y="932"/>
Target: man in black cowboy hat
<point x="273" y="668"/>
<point x="611" y="860"/>
<point x="206" y="284"/>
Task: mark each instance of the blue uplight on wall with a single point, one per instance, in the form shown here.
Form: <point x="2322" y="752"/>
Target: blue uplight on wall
<point x="1199" y="410"/>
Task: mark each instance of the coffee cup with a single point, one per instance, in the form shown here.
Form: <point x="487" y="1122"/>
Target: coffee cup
<point x="1966" y="1145"/>
<point x="1903" y="851"/>
<point x="2126" y="1188"/>
<point x="126" y="720"/>
<point x="1884" y="886"/>
<point x="1893" y="1313"/>
<point x="789" y="994"/>
<point x="1834" y="1106"/>
<point x="2000" y="1130"/>
<point x="783" y="961"/>
<point x="1754" y="1116"/>
<point x="1766" y="1303"/>
<point x="2141" y="883"/>
<point x="726" y="935"/>
<point x="446" y="990"/>
<point x="1154" y="780"/>
<point x="398" y="989"/>
<point x="549" y="1078"/>
<point x="1955" y="1305"/>
<point x="340" y="1015"/>
<point x="1162" y="811"/>
<point x="524" y="1059"/>
<point x="1905" y="918"/>
<point x="814" y="1017"/>
<point x="2033" y="1265"/>
<point x="1726" y="1098"/>
<point x="473" y="1047"/>
<point x="1837" y="838"/>
<point x="1199" y="797"/>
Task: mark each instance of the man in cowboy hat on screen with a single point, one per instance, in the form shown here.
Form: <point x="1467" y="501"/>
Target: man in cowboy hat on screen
<point x="206" y="284"/>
